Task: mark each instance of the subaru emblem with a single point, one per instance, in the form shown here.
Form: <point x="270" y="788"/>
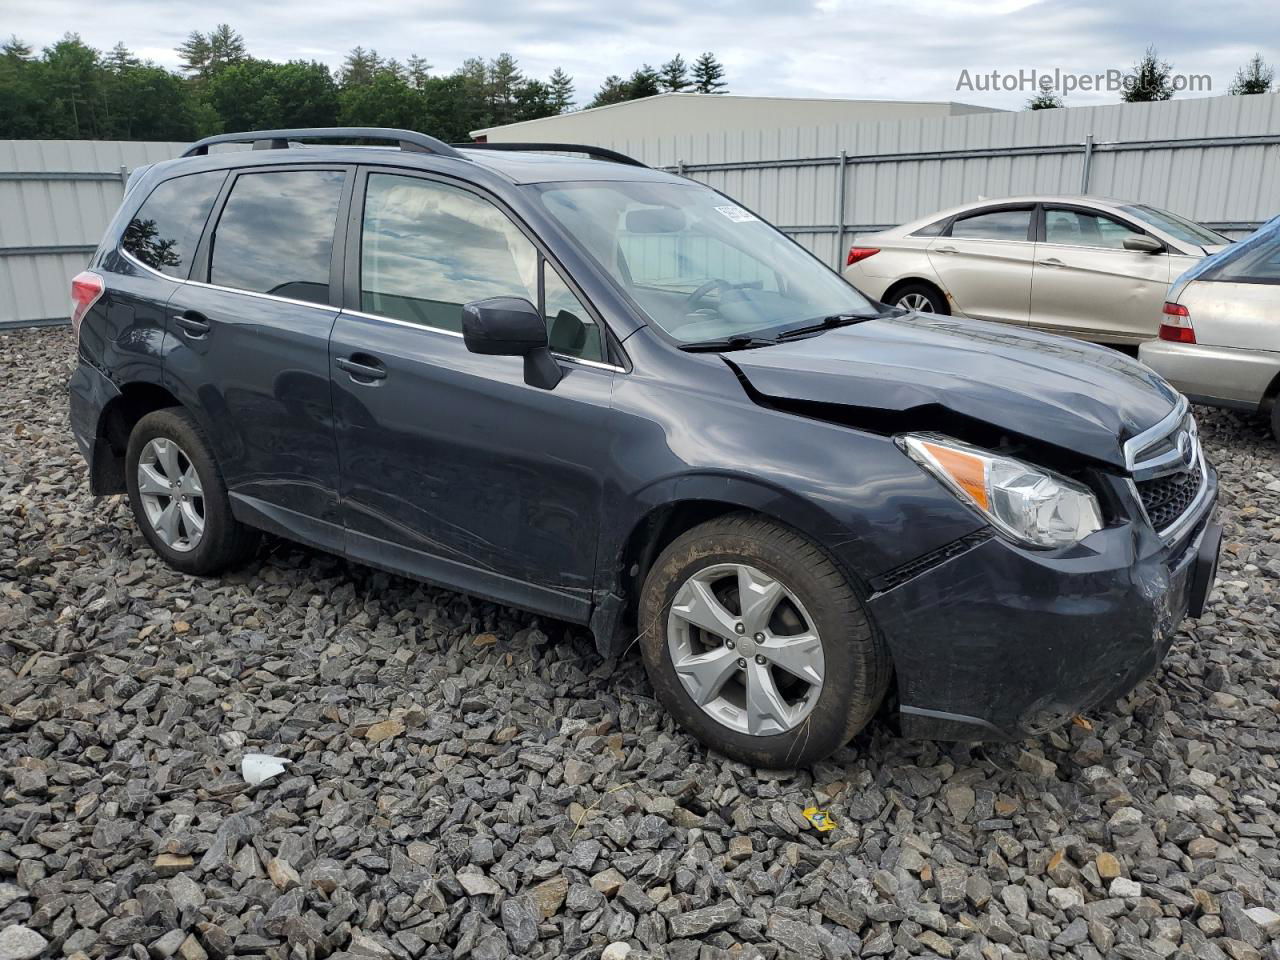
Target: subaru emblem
<point x="1186" y="449"/>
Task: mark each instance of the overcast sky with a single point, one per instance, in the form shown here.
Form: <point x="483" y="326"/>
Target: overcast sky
<point x="823" y="48"/>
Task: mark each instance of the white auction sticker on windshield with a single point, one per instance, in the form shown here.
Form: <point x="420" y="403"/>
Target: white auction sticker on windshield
<point x="737" y="214"/>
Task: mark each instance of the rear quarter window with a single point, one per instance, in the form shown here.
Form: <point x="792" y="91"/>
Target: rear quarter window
<point x="164" y="232"/>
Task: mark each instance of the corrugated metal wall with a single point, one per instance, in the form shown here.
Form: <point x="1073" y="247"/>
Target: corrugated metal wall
<point x="56" y="198"/>
<point x="1216" y="160"/>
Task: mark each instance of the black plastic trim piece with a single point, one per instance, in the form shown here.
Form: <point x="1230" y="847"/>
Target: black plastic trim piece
<point x="913" y="568"/>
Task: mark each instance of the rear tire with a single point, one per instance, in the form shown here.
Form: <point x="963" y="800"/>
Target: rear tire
<point x="921" y="296"/>
<point x="179" y="498"/>
<point x="1275" y="418"/>
<point x="725" y="691"/>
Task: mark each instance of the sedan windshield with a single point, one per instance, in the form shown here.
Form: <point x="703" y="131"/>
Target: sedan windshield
<point x="1188" y="231"/>
<point x="702" y="268"/>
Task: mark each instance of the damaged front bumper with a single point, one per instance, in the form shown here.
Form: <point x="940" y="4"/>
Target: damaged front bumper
<point x="998" y="642"/>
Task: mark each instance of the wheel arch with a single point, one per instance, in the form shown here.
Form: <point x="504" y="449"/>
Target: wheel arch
<point x="116" y="421"/>
<point x="688" y="502"/>
<point x="1270" y="395"/>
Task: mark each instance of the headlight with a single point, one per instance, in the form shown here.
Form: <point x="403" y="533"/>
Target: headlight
<point x="1031" y="505"/>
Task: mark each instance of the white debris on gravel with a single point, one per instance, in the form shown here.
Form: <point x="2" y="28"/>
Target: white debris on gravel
<point x="467" y="780"/>
<point x="258" y="768"/>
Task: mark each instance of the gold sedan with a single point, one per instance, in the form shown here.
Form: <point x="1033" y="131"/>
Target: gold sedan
<point x="1085" y="267"/>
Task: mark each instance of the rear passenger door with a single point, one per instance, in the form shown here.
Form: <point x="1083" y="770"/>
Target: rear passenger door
<point x="453" y="468"/>
<point x="984" y="260"/>
<point x="248" y="344"/>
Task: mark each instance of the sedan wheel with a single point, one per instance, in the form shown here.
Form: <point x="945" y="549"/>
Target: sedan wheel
<point x="745" y="650"/>
<point x="916" y="301"/>
<point x="171" y="494"/>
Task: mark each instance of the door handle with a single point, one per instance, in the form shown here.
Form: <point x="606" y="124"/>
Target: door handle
<point x="1051" y="262"/>
<point x="362" y="368"/>
<point x="946" y="250"/>
<point x="193" y="323"/>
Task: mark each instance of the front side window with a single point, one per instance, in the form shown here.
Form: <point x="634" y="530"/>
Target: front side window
<point x="698" y="265"/>
<point x="428" y="248"/>
<point x="1079" y="229"/>
<point x="995" y="225"/>
<point x="275" y="234"/>
<point x="164" y="232"/>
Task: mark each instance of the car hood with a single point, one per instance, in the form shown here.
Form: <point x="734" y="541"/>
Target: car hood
<point x="1073" y="395"/>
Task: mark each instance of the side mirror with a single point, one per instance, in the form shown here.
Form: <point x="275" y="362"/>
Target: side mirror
<point x="1143" y="244"/>
<point x="511" y="327"/>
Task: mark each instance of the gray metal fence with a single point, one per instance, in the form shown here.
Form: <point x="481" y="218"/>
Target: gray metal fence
<point x="56" y="198"/>
<point x="1215" y="160"/>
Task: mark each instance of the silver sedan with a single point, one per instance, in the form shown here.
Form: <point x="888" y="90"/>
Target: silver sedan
<point x="1082" y="266"/>
<point x="1220" y="340"/>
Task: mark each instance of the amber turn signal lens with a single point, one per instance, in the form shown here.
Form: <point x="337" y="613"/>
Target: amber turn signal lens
<point x="968" y="472"/>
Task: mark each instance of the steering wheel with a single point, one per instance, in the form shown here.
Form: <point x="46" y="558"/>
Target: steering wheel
<point x="695" y="299"/>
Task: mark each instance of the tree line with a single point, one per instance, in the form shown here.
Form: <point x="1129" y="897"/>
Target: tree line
<point x="72" y="91"/>
<point x="1151" y="79"/>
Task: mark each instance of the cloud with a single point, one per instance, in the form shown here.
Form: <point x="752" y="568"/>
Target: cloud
<point x="827" y="48"/>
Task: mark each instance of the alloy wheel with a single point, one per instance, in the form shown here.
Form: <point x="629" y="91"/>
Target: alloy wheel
<point x="745" y="649"/>
<point x="916" y="301"/>
<point x="171" y="494"/>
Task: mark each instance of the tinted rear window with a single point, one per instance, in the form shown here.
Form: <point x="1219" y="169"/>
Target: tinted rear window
<point x="1258" y="265"/>
<point x="275" y="234"/>
<point x="164" y="232"/>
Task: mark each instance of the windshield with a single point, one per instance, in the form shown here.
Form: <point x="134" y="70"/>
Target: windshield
<point x="701" y="267"/>
<point x="1185" y="230"/>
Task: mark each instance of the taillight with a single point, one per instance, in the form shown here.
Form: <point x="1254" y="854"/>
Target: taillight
<point x="860" y="253"/>
<point x="86" y="288"/>
<point x="1176" y="325"/>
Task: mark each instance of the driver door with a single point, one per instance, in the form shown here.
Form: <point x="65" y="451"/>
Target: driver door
<point x="452" y="467"/>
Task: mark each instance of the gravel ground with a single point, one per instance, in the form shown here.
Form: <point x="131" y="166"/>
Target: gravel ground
<point x="470" y="781"/>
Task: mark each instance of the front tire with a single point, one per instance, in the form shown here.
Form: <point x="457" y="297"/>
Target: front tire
<point x="779" y="681"/>
<point x="179" y="498"/>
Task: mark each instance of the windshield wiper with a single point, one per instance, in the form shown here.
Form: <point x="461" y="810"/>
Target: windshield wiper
<point x="739" y="342"/>
<point x="827" y="323"/>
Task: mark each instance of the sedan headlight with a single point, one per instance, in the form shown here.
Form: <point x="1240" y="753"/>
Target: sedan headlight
<point x="1031" y="505"/>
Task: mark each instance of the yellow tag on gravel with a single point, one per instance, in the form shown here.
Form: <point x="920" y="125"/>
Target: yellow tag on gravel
<point x="820" y="819"/>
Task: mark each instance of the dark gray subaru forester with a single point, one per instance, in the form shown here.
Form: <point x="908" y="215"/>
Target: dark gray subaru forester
<point x="610" y="395"/>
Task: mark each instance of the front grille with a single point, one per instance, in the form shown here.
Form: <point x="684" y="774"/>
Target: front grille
<point x="1167" y="498"/>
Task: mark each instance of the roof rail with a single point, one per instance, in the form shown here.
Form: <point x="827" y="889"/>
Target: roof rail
<point x="279" y="139"/>
<point x="599" y="153"/>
